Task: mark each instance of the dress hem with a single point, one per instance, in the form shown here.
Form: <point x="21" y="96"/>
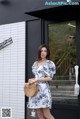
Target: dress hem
<point x="38" y="107"/>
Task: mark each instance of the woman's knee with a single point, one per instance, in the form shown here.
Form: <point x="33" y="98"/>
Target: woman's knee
<point x="47" y="113"/>
<point x="40" y="114"/>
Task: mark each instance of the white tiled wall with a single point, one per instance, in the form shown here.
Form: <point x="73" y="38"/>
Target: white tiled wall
<point x="12" y="69"/>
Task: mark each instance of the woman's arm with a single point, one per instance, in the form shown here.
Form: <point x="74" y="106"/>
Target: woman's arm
<point x="43" y="79"/>
<point x="34" y="80"/>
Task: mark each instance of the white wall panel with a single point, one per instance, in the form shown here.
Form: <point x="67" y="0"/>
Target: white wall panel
<point x="12" y="69"/>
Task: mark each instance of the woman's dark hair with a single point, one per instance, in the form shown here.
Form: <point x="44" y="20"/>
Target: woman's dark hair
<point x="39" y="52"/>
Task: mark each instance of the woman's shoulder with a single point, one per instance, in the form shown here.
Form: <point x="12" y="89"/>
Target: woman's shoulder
<point x="50" y="62"/>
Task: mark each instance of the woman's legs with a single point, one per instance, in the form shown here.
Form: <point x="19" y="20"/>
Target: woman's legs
<point x="40" y="114"/>
<point x="47" y="114"/>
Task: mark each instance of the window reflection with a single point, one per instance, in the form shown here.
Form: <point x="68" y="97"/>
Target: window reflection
<point x="62" y="44"/>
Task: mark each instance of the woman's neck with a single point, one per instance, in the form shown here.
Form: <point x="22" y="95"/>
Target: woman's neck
<point x="43" y="60"/>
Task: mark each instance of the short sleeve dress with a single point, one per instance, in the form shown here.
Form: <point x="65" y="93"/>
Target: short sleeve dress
<point x="43" y="98"/>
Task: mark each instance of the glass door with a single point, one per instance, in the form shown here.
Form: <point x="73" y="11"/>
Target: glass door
<point x="62" y="44"/>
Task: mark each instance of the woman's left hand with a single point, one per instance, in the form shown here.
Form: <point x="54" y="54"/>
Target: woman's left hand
<point x="31" y="81"/>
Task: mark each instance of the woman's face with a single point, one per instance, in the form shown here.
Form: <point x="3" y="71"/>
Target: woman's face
<point x="43" y="53"/>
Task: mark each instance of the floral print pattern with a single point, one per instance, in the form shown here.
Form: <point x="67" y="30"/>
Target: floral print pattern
<point x="43" y="99"/>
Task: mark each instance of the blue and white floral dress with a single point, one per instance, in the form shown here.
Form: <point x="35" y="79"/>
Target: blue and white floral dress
<point x="43" y="99"/>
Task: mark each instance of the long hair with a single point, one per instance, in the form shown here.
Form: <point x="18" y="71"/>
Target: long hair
<point x="39" y="52"/>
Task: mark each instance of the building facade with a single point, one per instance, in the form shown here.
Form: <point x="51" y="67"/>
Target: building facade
<point x="31" y="23"/>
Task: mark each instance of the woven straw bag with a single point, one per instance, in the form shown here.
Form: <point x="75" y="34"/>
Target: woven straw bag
<point x="30" y="90"/>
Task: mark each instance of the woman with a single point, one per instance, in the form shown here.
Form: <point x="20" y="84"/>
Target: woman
<point x="43" y="70"/>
